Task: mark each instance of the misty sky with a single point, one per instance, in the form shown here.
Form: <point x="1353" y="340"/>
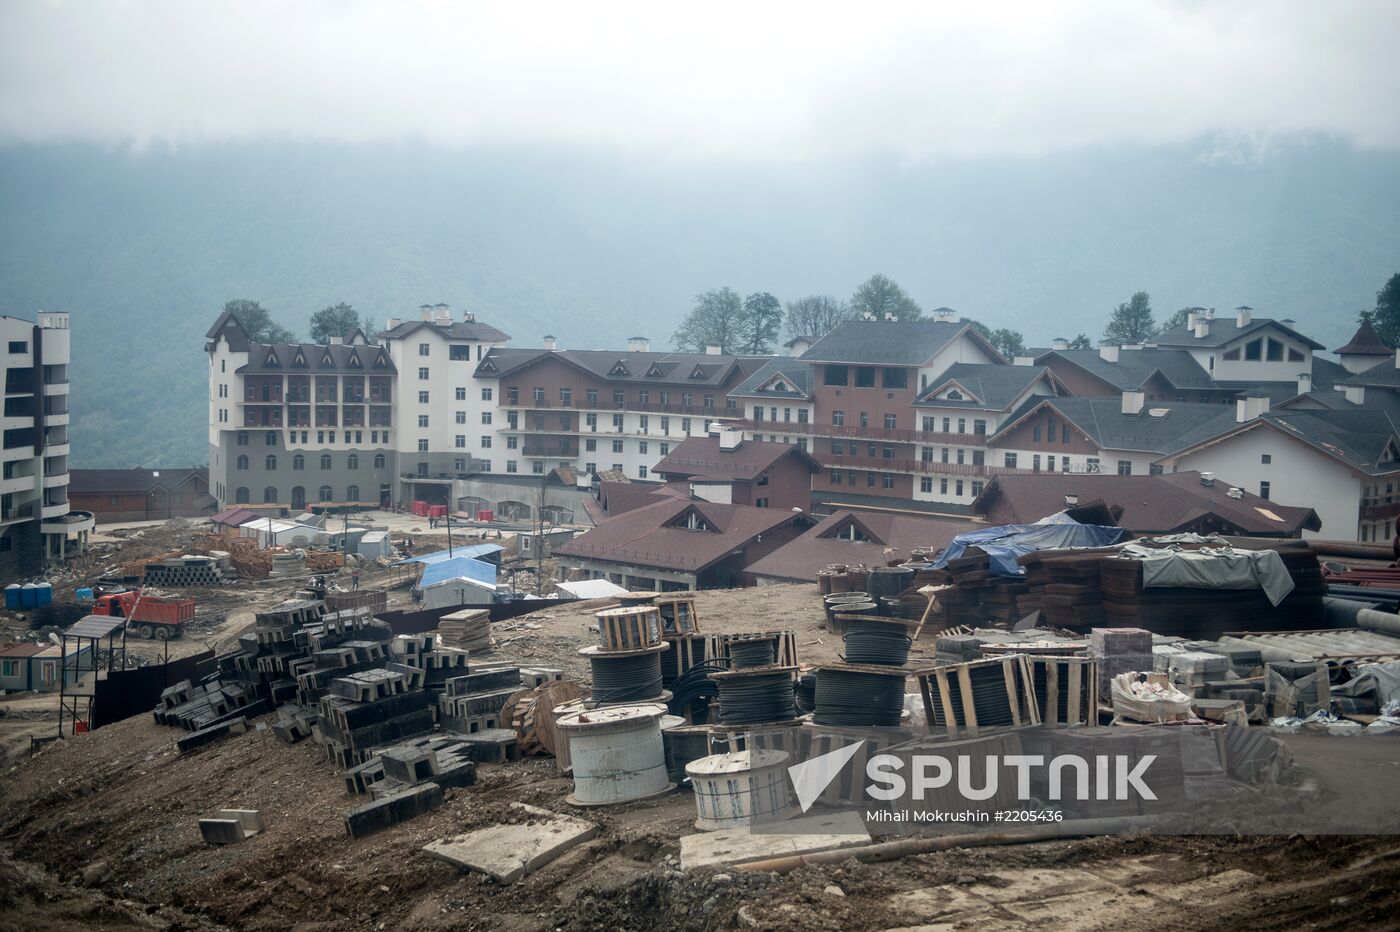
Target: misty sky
<point x="712" y="81"/>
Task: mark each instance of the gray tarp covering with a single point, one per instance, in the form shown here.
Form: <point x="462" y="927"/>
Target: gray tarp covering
<point x="1378" y="682"/>
<point x="1214" y="568"/>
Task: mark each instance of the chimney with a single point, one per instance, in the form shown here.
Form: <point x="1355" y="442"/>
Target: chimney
<point x="444" y="313"/>
<point x="712" y="349"/>
<point x="1210" y="313"/>
<point x="1133" y="402"/>
<point x="1108" y="352"/>
<point x="1207" y="479"/>
<point x="1249" y="407"/>
<point x="1059" y="343"/>
<point x="468" y="317"/>
<point x="1191" y="316"/>
<point x="800" y="346"/>
<point x="337" y="341"/>
<point x="1304" y="382"/>
<point x="730" y="439"/>
<point x="550" y="343"/>
<point x="889" y="316"/>
<point x="946" y="315"/>
<point x="638" y="344"/>
<point x="1242" y="316"/>
<point x="1023" y="360"/>
<point x="1202" y="328"/>
<point x="425" y="312"/>
<point x="393" y="322"/>
<point x="1356" y="394"/>
<point x="1235" y="492"/>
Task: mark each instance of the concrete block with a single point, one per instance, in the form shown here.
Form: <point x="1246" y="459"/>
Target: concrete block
<point x="506" y="678"/>
<point x="391" y="810"/>
<point x="198" y="739"/>
<point x="492" y="746"/>
<point x="509" y="852"/>
<point x="740" y="845"/>
<point x="221" y="831"/>
<point x="250" y="819"/>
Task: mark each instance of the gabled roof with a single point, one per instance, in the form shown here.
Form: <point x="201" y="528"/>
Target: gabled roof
<point x="231" y="328"/>
<point x="235" y="517"/>
<point x="892" y="538"/>
<point x="1102" y="420"/>
<point x="1359" y="438"/>
<point x="983" y="385"/>
<point x="644" y="537"/>
<point x="1365" y="342"/>
<point x="1142" y="504"/>
<point x="330" y="357"/>
<point x="1135" y="368"/>
<point x="1325" y="375"/>
<point x="456" y="330"/>
<point x="1222" y="330"/>
<point x="890" y="342"/>
<point x="702" y="458"/>
<point x="1385" y="374"/>
<point x="138" y="480"/>
<point x="619" y="496"/>
<point x="794" y="374"/>
<point x="682" y="370"/>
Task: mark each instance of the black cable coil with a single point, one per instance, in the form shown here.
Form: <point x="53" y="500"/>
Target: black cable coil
<point x="761" y="697"/>
<point x="682" y="748"/>
<point x="626" y="677"/>
<point x="875" y="642"/>
<point x="755" y="653"/>
<point x="805" y="692"/>
<point x="850" y="697"/>
<point x="692" y="691"/>
<point x="990" y="699"/>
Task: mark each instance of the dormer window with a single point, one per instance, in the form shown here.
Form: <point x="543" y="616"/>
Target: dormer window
<point x="698" y="372"/>
<point x="619" y="369"/>
<point x="354" y="362"/>
<point x="326" y="361"/>
<point x="381" y="361"/>
<point x="780" y="386"/>
<point x="954" y="395"/>
<point x="850" y="532"/>
<point x="271" y="361"/>
<point x="691" y="520"/>
<point x="654" y="372"/>
<point x="299" y="361"/>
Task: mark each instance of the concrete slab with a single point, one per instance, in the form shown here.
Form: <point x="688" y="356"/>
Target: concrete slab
<point x="509" y="852"/>
<point x="740" y="846"/>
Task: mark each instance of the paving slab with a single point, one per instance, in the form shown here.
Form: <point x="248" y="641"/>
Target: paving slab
<point x="509" y="852"/>
<point x="740" y="846"/>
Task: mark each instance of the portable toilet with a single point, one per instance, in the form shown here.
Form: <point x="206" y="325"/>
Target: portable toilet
<point x="29" y="596"/>
<point x="12" y="596"/>
<point x="83" y="594"/>
<point x="43" y="594"/>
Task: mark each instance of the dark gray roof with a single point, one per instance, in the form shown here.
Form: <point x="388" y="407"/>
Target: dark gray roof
<point x="855" y="500"/>
<point x="456" y="330"/>
<point x="796" y="373"/>
<point x="1222" y="330"/>
<point x="995" y="387"/>
<point x="1385" y="373"/>
<point x="1359" y="437"/>
<point x="885" y="342"/>
<point x="1325" y="375"/>
<point x="314" y="355"/>
<point x="1365" y="342"/>
<point x="1135" y="367"/>
<point x="701" y="370"/>
<point x="1103" y="421"/>
<point x="232" y="330"/>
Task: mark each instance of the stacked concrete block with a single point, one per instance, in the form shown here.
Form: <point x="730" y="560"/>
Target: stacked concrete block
<point x="189" y="571"/>
<point x="473" y="702"/>
<point x="534" y="677"/>
<point x="1189" y="671"/>
<point x="442" y="759"/>
<point x="368" y="709"/>
<point x="231" y="826"/>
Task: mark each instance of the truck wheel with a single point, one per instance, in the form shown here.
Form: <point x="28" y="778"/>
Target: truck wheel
<point x="144" y="632"/>
<point x="162" y="633"/>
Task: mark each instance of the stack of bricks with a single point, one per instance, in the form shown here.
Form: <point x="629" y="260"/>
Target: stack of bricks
<point x="187" y="571"/>
<point x="1120" y="650"/>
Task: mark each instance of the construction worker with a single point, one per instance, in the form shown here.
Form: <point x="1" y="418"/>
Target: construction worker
<point x="354" y="580"/>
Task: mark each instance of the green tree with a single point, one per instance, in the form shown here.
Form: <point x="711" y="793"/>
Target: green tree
<point x="1008" y="342"/>
<point x="1386" y="316"/>
<point x="760" y="323"/>
<point x="880" y="295"/>
<point x="338" y="320"/>
<point x="816" y="315"/>
<point x="1081" y="341"/>
<point x="1131" y="322"/>
<point x="715" y="319"/>
<point x="1175" y="321"/>
<point x="257" y="322"/>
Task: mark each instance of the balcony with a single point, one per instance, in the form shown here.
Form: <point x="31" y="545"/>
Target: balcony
<point x="901" y="465"/>
<point x="74" y="522"/>
<point x="864" y="433"/>
<point x="1379" y="509"/>
<point x="18" y="512"/>
<point x="545" y="404"/>
<point x="550" y="450"/>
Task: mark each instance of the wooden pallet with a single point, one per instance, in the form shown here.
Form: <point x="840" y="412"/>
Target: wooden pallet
<point x="1077" y="678"/>
<point x="938" y="683"/>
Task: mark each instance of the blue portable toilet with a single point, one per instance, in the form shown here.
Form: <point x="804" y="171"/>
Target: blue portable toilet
<point x="84" y="594"/>
<point x="12" y="596"/>
<point x="28" y="595"/>
<point x="43" y="594"/>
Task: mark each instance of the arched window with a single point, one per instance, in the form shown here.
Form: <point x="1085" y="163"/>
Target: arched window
<point x="270" y="495"/>
<point x="325" y="493"/>
<point x="271" y="463"/>
<point x="379" y="461"/>
<point x="298" y="462"/>
<point x="325" y="461"/>
<point x="352" y="461"/>
<point x="240" y="495"/>
<point x="298" y="497"/>
<point x="242" y="461"/>
<point x="352" y="494"/>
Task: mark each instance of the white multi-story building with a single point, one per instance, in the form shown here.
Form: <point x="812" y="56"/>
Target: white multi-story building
<point x="35" y="520"/>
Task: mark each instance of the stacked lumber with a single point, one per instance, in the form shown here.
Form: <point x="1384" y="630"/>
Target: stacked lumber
<point x="468" y="629"/>
<point x="1065" y="587"/>
<point x="979" y="596"/>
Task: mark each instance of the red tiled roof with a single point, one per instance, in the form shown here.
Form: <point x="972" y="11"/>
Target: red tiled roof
<point x="619" y="497"/>
<point x="1142" y="504"/>
<point x="1365" y="342"/>
<point x="702" y="458"/>
<point x="22" y="650"/>
<point x="235" y="517"/>
<point x="893" y="537"/>
<point x="644" y="536"/>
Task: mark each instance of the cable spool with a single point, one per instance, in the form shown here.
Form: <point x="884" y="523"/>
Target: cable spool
<point x="841" y="614"/>
<point x="991" y="702"/>
<point x="859" y="696"/>
<point x="618" y="755"/>
<point x="691" y="693"/>
<point x="834" y="601"/>
<point x="755" y="696"/>
<point x="633" y="599"/>
<point x="628" y="628"/>
<point x="805" y="693"/>
<point x="753" y="650"/>
<point x="684" y="743"/>
<point x="878" y="642"/>
<point x="625" y="676"/>
<point x="737" y="789"/>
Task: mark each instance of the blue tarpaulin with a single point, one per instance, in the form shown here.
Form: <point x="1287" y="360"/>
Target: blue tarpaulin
<point x="1005" y="542"/>
<point x="457" y="568"/>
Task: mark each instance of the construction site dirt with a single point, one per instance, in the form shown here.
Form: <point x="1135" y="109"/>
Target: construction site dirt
<point x="101" y="830"/>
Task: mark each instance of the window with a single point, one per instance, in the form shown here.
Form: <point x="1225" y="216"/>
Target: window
<point x="1050" y="463"/>
<point x="1035" y="434"/>
<point x="423" y="374"/>
<point x="666" y="425"/>
<point x="1154" y="469"/>
<point x="619" y="398"/>
<point x="1274" y="351"/>
<point x="379" y="461"/>
<point x="641" y="472"/>
<point x="960" y="455"/>
<point x="1091" y="464"/>
<point x="19" y="346"/>
<point x="10" y="668"/>
<point x="864" y="419"/>
<point x="835" y="477"/>
<point x="896" y="378"/>
<point x="865" y="376"/>
<point x="870" y="479"/>
<point x="1010" y="461"/>
<point x="887" y="481"/>
<point x="890" y="421"/>
<point x="979" y="457"/>
<point x="422" y="420"/>
<point x="510" y="466"/>
<point x="242" y="462"/>
<point x="460" y="441"/>
<point x="1035" y="462"/>
<point x="422" y="398"/>
<point x="926" y="484"/>
<point x="1294" y="355"/>
<point x="461" y="393"/>
<point x="1266" y="458"/>
<point x="486" y="417"/>
<point x="270" y="438"/>
<point x="423" y="349"/>
<point x="352" y="494"/>
<point x="958" y="490"/>
<point x="617" y="423"/>
<point x="240" y="495"/>
<point x="617" y="446"/>
<point x="643" y="423"/>
<point x="838" y="418"/>
<point x="1253" y="350"/>
<point x="461" y="417"/>
<point x="976" y="488"/>
<point x="979" y="427"/>
<point x="462" y="465"/>
<point x="592" y="396"/>
<point x="537" y="467"/>
<point x="641" y="446"/>
<point x="485" y="441"/>
<point x="325" y="493"/>
<point x="666" y="448"/>
<point x="709" y="401"/>
<point x="352" y="461"/>
<point x="942" y="486"/>
<point x="242" y="438"/>
<point x="325" y="461"/>
<point x="1233" y="354"/>
<point x="685" y="425"/>
<point x="887" y="452"/>
<point x="590" y="445"/>
<point x="962" y="425"/>
<point x="643" y="398"/>
<point x="485" y="394"/>
<point x="835" y="375"/>
<point x="1125" y="467"/>
<point x="665" y="398"/>
<point x="1264" y="490"/>
<point x="422" y="446"/>
<point x="837" y="446"/>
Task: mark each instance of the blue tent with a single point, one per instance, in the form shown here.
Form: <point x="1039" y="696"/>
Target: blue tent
<point x="1005" y="542"/>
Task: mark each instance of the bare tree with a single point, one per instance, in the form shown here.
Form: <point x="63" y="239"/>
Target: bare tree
<point x="816" y="315"/>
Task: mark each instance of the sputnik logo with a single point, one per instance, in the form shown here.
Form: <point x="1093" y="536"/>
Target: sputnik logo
<point x="811" y="777"/>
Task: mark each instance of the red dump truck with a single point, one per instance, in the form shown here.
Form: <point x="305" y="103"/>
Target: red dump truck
<point x="148" y="616"/>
